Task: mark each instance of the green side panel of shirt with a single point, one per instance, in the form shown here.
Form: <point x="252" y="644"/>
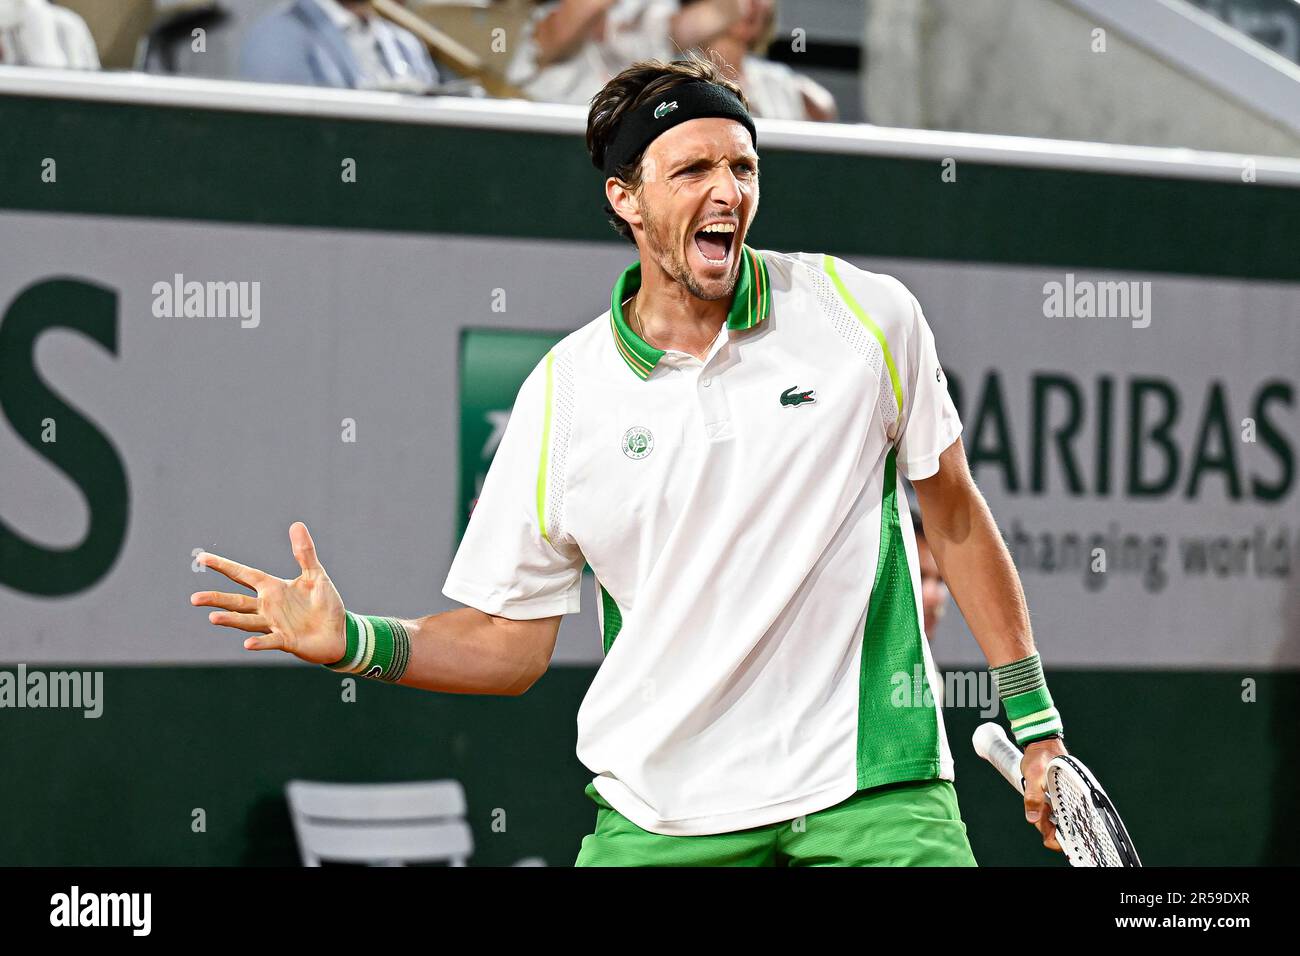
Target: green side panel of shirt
<point x="895" y="743"/>
<point x="612" y="617"/>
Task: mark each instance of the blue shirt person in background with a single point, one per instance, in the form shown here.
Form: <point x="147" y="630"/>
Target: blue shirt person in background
<point x="337" y="43"/>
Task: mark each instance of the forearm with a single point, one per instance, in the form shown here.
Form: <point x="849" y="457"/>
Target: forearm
<point x="974" y="560"/>
<point x="982" y="579"/>
<point x="465" y="651"/>
<point x="559" y="34"/>
<point x="985" y="586"/>
<point x="818" y="103"/>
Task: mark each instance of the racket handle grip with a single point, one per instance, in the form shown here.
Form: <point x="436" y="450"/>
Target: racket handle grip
<point x="991" y="743"/>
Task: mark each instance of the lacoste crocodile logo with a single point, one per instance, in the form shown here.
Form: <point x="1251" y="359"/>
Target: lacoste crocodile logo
<point x="792" y="398"/>
<point x="663" y="109"/>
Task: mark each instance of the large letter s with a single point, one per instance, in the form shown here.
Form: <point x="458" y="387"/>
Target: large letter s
<point x="81" y="450"/>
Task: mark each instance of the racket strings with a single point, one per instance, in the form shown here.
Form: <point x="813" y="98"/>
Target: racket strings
<point x="1080" y="822"/>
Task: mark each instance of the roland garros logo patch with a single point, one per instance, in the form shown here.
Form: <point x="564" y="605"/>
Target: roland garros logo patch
<point x="638" y="442"/>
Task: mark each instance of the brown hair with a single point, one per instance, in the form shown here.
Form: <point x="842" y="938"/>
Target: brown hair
<point x="638" y="84"/>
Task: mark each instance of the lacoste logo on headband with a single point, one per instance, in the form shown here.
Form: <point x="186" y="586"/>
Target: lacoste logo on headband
<point x="663" y="109"/>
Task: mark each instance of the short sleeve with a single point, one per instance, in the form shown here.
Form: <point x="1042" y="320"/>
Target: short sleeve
<point x="508" y="564"/>
<point x="929" y="423"/>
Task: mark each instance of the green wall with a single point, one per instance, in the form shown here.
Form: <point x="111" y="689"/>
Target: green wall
<point x="285" y="170"/>
<point x="1200" y="777"/>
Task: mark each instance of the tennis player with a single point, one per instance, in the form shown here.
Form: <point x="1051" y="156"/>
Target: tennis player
<point x="726" y="447"/>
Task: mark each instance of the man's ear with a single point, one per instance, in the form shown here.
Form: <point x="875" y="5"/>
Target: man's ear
<point x="622" y="200"/>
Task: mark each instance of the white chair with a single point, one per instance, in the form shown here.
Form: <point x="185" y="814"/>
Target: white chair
<point x="380" y="824"/>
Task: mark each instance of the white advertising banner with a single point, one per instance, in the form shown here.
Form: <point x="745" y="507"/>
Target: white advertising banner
<point x="204" y="385"/>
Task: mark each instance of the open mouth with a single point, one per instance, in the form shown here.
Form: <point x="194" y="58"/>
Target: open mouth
<point x="715" y="242"/>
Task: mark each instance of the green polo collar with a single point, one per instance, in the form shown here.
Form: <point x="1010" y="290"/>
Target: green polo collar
<point x="751" y="303"/>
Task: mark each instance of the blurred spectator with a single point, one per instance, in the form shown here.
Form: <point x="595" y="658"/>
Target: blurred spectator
<point x="37" y="33"/>
<point x="341" y="43"/>
<point x="168" y="43"/>
<point x="934" y="593"/>
<point x="773" y="89"/>
<point x="572" y="48"/>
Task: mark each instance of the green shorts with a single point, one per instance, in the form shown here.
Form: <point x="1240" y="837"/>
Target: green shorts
<point x="904" y="824"/>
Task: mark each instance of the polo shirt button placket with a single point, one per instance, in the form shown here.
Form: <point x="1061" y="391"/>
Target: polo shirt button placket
<point x="717" y="416"/>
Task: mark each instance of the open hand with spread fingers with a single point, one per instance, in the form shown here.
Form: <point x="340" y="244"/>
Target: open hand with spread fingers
<point x="303" y="617"/>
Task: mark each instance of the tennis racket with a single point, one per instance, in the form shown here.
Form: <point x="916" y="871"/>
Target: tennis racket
<point x="1087" y="825"/>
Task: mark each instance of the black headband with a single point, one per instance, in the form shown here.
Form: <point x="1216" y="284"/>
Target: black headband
<point x="695" y="99"/>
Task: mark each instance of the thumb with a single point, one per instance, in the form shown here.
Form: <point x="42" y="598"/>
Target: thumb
<point x="1033" y="806"/>
<point x="1033" y="796"/>
<point x="304" y="549"/>
<point x="264" y="642"/>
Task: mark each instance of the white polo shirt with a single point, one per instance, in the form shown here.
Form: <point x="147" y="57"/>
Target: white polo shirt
<point x="755" y="562"/>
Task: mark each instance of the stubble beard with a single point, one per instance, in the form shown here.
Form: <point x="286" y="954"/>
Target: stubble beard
<point x="676" y="266"/>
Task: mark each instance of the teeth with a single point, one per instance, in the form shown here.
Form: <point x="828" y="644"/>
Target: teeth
<point x="727" y="228"/>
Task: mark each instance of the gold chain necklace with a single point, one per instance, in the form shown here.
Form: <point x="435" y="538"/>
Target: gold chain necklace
<point x="636" y="315"/>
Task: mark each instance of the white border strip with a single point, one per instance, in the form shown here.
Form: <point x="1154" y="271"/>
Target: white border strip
<point x="1262" y="81"/>
<point x="1025" y="151"/>
<point x="521" y="115"/>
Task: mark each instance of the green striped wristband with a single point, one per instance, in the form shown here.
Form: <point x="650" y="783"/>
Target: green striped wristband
<point x="377" y="647"/>
<point x="1027" y="701"/>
